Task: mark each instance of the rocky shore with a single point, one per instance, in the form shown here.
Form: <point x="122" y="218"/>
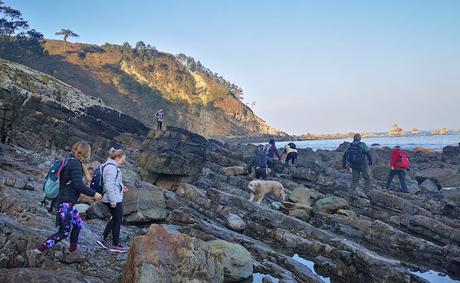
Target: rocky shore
<point x="187" y="217"/>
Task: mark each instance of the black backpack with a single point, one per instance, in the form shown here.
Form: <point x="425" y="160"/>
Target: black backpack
<point x="97" y="182"/>
<point x="355" y="154"/>
<point x="292" y="145"/>
<point x="261" y="160"/>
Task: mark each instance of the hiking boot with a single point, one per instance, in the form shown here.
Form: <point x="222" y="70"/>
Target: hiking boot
<point x="119" y="249"/>
<point x="102" y="242"/>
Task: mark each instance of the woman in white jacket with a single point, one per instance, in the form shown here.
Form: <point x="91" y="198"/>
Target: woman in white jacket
<point x="113" y="198"/>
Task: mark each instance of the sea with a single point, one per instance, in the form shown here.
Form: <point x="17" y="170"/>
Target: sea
<point x="432" y="142"/>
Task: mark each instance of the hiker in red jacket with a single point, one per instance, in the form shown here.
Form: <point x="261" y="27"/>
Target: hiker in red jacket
<point x="399" y="163"/>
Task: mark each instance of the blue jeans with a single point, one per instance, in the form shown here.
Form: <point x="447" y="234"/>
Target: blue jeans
<point x="402" y="179"/>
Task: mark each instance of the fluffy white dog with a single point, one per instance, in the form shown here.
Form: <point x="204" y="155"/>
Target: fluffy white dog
<point x="260" y="188"/>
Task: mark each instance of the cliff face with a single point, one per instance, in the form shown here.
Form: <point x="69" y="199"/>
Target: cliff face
<point x="140" y="81"/>
<point x="40" y="112"/>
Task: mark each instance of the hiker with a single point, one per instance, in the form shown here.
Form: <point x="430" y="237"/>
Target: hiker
<point x="159" y="116"/>
<point x="260" y="163"/>
<point x="291" y="153"/>
<point x="113" y="198"/>
<point x="271" y="150"/>
<point x="70" y="187"/>
<point x="355" y="156"/>
<point x="399" y="163"/>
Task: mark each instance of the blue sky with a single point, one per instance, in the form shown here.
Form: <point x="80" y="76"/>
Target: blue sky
<point x="311" y="66"/>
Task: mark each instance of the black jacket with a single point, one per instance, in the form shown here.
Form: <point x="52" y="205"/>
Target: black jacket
<point x="71" y="183"/>
<point x="259" y="160"/>
<point x="362" y="163"/>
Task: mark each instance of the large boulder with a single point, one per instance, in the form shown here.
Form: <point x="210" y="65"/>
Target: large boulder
<point x="38" y="116"/>
<point x="98" y="210"/>
<point x="235" y="223"/>
<point x="304" y="196"/>
<point x="297" y="210"/>
<point x="451" y="194"/>
<point x="164" y="255"/>
<point x="330" y="204"/>
<point x="192" y="193"/>
<point x="429" y="186"/>
<point x="172" y="152"/>
<point x="20" y="275"/>
<point x="451" y="152"/>
<point x="143" y="205"/>
<point x="442" y="177"/>
<point x="233" y="170"/>
<point x="237" y="261"/>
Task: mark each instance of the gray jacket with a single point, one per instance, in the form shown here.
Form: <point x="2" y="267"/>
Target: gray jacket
<point x="113" y="184"/>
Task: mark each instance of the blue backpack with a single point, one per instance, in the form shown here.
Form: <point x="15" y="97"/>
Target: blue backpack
<point x="52" y="182"/>
<point x="97" y="182"/>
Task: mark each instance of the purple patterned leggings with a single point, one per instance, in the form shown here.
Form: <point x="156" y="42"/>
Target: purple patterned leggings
<point x="69" y="222"/>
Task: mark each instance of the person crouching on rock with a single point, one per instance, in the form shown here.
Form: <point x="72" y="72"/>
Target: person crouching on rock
<point x="259" y="163"/>
<point x="291" y="153"/>
<point x="113" y="198"/>
<point x="70" y="188"/>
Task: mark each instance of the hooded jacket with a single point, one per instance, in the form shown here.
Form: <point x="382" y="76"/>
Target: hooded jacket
<point x="113" y="182"/>
<point x="395" y="156"/>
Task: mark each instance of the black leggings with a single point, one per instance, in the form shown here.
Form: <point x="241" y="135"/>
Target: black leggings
<point x="114" y="224"/>
<point x="261" y="173"/>
<point x="291" y="156"/>
<point x="159" y="125"/>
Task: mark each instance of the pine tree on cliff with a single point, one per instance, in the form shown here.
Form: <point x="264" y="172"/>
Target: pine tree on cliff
<point x="66" y="33"/>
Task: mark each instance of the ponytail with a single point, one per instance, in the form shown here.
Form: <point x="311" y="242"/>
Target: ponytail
<point x="114" y="153"/>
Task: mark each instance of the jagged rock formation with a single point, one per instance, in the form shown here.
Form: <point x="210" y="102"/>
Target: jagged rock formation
<point x="442" y="131"/>
<point x="382" y="236"/>
<point x="396" y="131"/>
<point x="39" y="111"/>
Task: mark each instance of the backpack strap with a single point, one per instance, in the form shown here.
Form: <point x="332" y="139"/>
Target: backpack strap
<point x="63" y="164"/>
<point x="103" y="166"/>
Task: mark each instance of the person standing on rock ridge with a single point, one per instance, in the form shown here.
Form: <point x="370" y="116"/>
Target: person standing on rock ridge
<point x="70" y="188"/>
<point x="113" y="198"/>
<point x="259" y="163"/>
<point x="159" y="116"/>
<point x="355" y="157"/>
<point x="399" y="163"/>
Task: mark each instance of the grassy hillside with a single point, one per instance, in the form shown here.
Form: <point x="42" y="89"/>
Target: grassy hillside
<point x="140" y="80"/>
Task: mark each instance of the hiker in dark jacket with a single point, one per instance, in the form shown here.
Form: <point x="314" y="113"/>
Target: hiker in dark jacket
<point x="260" y="163"/>
<point x="113" y="199"/>
<point x="70" y="188"/>
<point x="358" y="157"/>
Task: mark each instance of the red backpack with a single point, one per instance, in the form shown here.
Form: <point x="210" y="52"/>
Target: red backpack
<point x="403" y="160"/>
